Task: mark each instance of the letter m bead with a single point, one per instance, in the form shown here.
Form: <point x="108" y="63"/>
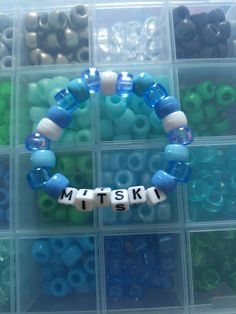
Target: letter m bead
<point x="67" y="196"/>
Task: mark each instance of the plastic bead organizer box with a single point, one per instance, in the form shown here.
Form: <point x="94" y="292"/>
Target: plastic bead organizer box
<point x="175" y="257"/>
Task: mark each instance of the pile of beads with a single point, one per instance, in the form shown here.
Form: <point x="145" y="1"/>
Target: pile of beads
<point x="4" y="193"/>
<point x="5" y="99"/>
<point x="6" y="41"/>
<point x="68" y="100"/>
<point x="5" y="276"/>
<point x="67" y="265"/>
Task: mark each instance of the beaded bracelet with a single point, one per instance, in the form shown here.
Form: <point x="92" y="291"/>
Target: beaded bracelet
<point x="59" y="117"/>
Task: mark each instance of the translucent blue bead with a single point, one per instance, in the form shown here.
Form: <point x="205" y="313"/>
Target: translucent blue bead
<point x="58" y="245"/>
<point x="180" y="171"/>
<point x="66" y="100"/>
<point x="59" y="287"/>
<point x="163" y="181"/>
<point x="153" y="95"/>
<point x="176" y="152"/>
<point x="36" y="141"/>
<point x="38" y="178"/>
<point x="71" y="255"/>
<point x="43" y="159"/>
<point x="182" y="135"/>
<point x="135" y="291"/>
<point x="167" y="244"/>
<point x="166" y="106"/>
<point x="116" y="289"/>
<point x="142" y="82"/>
<point x="79" y="89"/>
<point x="76" y="277"/>
<point x="93" y="80"/>
<point x="60" y="116"/>
<point x="168" y="263"/>
<point x="124" y="84"/>
<point x="41" y="251"/>
<point x="55" y="185"/>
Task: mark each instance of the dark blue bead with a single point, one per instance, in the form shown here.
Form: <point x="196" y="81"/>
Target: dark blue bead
<point x="180" y="13"/>
<point x="180" y="171"/>
<point x="41" y="251"/>
<point x="163" y="181"/>
<point x="216" y="16"/>
<point x="115" y="267"/>
<point x="208" y="52"/>
<point x="167" y="281"/>
<point x="167" y="244"/>
<point x="38" y="178"/>
<point x="210" y="34"/>
<point x="153" y="94"/>
<point x="222" y="49"/>
<point x="55" y="185"/>
<point x="4" y="198"/>
<point x="150" y="258"/>
<point x="139" y="243"/>
<point x="60" y="116"/>
<point x="124" y="84"/>
<point x="58" y="245"/>
<point x="166" y="106"/>
<point x="200" y="19"/>
<point x="116" y="290"/>
<point x="225" y="30"/>
<point x="185" y="30"/>
<point x="114" y="243"/>
<point x="66" y="100"/>
<point x="136" y="292"/>
<point x="47" y="273"/>
<point x="3" y="214"/>
<point x="168" y="263"/>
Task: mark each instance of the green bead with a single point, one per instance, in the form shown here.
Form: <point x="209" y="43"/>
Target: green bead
<point x="46" y="203"/>
<point x="202" y="127"/>
<point x="232" y="280"/>
<point x="199" y="258"/>
<point x="60" y="214"/>
<point x="79" y="218"/>
<point x="5" y="89"/>
<point x="6" y="117"/>
<point x="66" y="165"/>
<point x="206" y="90"/>
<point x="46" y="216"/>
<point x="5" y="132"/>
<point x="83" y="136"/>
<point x="68" y="137"/>
<point x="211" y="111"/>
<point x="78" y="179"/>
<point x="196" y="117"/>
<point x="220" y="126"/>
<point x="225" y="95"/>
<point x="203" y="239"/>
<point x="191" y="102"/>
<point x="209" y="280"/>
<point x="3" y="106"/>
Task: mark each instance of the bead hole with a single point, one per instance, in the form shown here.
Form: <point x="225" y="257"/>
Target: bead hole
<point x="76" y="278"/>
<point x="115" y="99"/>
<point x="84" y="55"/>
<point x="226" y="96"/>
<point x="40" y="256"/>
<point x="135" y="161"/>
<point x="140" y="123"/>
<point x="48" y="203"/>
<point x="8" y="63"/>
<point x="61" y="19"/>
<point x="58" y="287"/>
<point x="123" y="178"/>
<point x="80" y="10"/>
<point x="9" y="34"/>
<point x="209" y="89"/>
<point x="44" y="19"/>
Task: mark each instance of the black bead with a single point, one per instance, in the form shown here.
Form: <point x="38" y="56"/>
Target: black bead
<point x="193" y="46"/>
<point x="225" y="30"/>
<point x="208" y="52"/>
<point x="216" y="16"/>
<point x="222" y="49"/>
<point x="180" y="13"/>
<point x="200" y="19"/>
<point x="210" y="34"/>
<point x="185" y="30"/>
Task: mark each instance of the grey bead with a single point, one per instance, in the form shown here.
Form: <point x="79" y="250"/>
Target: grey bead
<point x="61" y="59"/>
<point x="7" y="62"/>
<point x="43" y="22"/>
<point x="5" y="21"/>
<point x="79" y="15"/>
<point x="7" y="37"/>
<point x="69" y="38"/>
<point x="33" y="55"/>
<point x="57" y="20"/>
<point x="3" y="51"/>
<point x="31" y="40"/>
<point x="43" y="59"/>
<point x="83" y="33"/>
<point x="51" y="43"/>
<point x="31" y="21"/>
<point x="82" y="55"/>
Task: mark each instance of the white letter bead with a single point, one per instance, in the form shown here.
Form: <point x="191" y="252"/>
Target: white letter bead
<point x="49" y="129"/>
<point x="108" y="83"/>
<point x="84" y="200"/>
<point x="68" y="196"/>
<point x="102" y="197"/>
<point x="137" y="195"/>
<point x="119" y="200"/>
<point x="174" y="120"/>
<point x="154" y="196"/>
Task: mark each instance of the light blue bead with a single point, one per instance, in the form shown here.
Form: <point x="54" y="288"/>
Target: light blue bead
<point x="89" y="264"/>
<point x="124" y="179"/>
<point x="126" y="217"/>
<point x="56" y="265"/>
<point x="176" y="152"/>
<point x="71" y="255"/>
<point x="126" y="120"/>
<point x="124" y="84"/>
<point x="41" y="251"/>
<point x="182" y="135"/>
<point x="4" y="197"/>
<point x="180" y="171"/>
<point x="141" y="125"/>
<point x="141" y="83"/>
<point x="43" y="159"/>
<point x="163" y="212"/>
<point x="136" y="292"/>
<point x="137" y="161"/>
<point x="51" y="97"/>
<point x="92" y="78"/>
<point x="59" y="287"/>
<point x="106" y="130"/>
<point x="37" y="113"/>
<point x="76" y="277"/>
<point x="46" y="287"/>
<point x="58" y="245"/>
<point x="60" y="116"/>
<point x="66" y="100"/>
<point x="87" y="243"/>
<point x="79" y="89"/>
<point x="38" y="178"/>
<point x="117" y="160"/>
<point x="55" y="185"/>
<point x="115" y="106"/>
<point x="166" y="106"/>
<point x="36" y="141"/>
<point x="107" y="178"/>
<point x="153" y="95"/>
<point x="164" y="181"/>
<point x="146" y="214"/>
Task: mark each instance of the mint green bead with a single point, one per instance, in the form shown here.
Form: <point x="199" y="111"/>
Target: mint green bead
<point x="106" y="130"/>
<point x="73" y="126"/>
<point x="51" y="97"/>
<point x="61" y="81"/>
<point x="83" y="136"/>
<point x="211" y="111"/>
<point x="83" y="114"/>
<point x="126" y="120"/>
<point x="146" y="109"/>
<point x="68" y="137"/>
<point x="115" y="106"/>
<point x="142" y="82"/>
<point x="44" y="87"/>
<point x="37" y="113"/>
<point x="141" y="126"/>
<point x="136" y="104"/>
<point x="155" y="122"/>
<point x="84" y="163"/>
<point x="33" y="95"/>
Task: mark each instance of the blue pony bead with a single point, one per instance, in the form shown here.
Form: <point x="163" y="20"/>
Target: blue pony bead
<point x="180" y="171"/>
<point x="41" y="251"/>
<point x="60" y="116"/>
<point x="154" y="94"/>
<point x="43" y="158"/>
<point x="71" y="255"/>
<point x="66" y="100"/>
<point x="164" y="181"/>
<point x="37" y="141"/>
<point x="76" y="277"/>
<point x="182" y="135"/>
<point x="59" y="287"/>
<point x="38" y="178"/>
<point x="166" y="106"/>
<point x="59" y="245"/>
<point x="79" y="89"/>
<point x="176" y="152"/>
<point x="124" y="84"/>
<point x="55" y="185"/>
<point x="87" y="243"/>
<point x="93" y="80"/>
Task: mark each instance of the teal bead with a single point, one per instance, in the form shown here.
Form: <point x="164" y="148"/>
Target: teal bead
<point x="83" y="115"/>
<point x="106" y="130"/>
<point x="115" y="106"/>
<point x="176" y="152"/>
<point x="43" y="158"/>
<point x="141" y="126"/>
<point x="61" y="81"/>
<point x="142" y="82"/>
<point x="33" y="96"/>
<point x="51" y="97"/>
<point x="155" y="121"/>
<point x="83" y="136"/>
<point x="79" y="89"/>
<point x="135" y="103"/>
<point x="68" y="137"/>
<point x="126" y="120"/>
<point x="37" y="113"/>
<point x="45" y="86"/>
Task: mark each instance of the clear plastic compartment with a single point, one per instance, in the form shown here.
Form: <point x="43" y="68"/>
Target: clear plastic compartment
<point x="5" y="191"/>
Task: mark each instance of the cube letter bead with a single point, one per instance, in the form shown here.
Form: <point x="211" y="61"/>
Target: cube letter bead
<point x="137" y="195"/>
<point x="120" y="200"/>
<point x="84" y="200"/>
<point x="49" y="129"/>
<point x="154" y="196"/>
<point x="102" y="197"/>
<point x="67" y="196"/>
<point x="174" y="120"/>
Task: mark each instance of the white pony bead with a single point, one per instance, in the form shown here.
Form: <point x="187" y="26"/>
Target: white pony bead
<point x="120" y="200"/>
<point x="108" y="83"/>
<point x="174" y="120"/>
<point x="102" y="197"/>
<point x="154" y="196"/>
<point x="67" y="196"/>
<point x="84" y="200"/>
<point x="137" y="195"/>
<point x="49" y="129"/>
